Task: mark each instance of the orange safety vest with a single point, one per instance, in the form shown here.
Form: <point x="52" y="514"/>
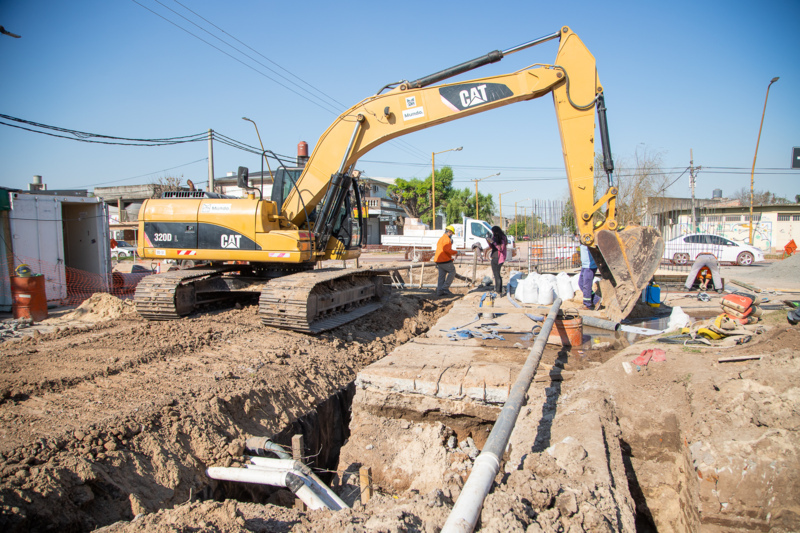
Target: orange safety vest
<point x="444" y="250"/>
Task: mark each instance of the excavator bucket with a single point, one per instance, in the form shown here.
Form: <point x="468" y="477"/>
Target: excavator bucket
<point x="629" y="258"/>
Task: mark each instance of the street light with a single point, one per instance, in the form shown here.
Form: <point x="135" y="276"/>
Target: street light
<point x="263" y="152"/>
<point x="752" y="172"/>
<point x="477" y="211"/>
<point x="502" y="220"/>
<point x="433" y="182"/>
<point x="515" y="213"/>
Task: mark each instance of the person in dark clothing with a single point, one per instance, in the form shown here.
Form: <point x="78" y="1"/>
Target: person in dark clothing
<point x="498" y="244"/>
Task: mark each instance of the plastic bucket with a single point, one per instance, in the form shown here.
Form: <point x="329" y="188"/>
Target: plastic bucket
<point x="567" y="332"/>
<point x="28" y="297"/>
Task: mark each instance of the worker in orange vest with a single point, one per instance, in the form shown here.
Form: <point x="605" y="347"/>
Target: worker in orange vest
<point x="444" y="261"/>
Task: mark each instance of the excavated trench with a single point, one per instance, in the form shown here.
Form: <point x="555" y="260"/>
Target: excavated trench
<point x="137" y="439"/>
<point x="133" y="412"/>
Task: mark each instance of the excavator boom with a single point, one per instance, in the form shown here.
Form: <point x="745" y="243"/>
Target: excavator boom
<point x="309" y="220"/>
<point x="628" y="258"/>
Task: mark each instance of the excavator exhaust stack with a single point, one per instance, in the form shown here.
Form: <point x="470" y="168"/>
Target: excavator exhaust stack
<point x="627" y="261"/>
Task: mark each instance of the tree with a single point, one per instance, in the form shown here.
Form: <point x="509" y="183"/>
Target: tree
<point x="414" y="195"/>
<point x="166" y="184"/>
<point x="797" y="198"/>
<point x="759" y="197"/>
<point x="462" y="203"/>
<point x="636" y="181"/>
<point x="568" y="217"/>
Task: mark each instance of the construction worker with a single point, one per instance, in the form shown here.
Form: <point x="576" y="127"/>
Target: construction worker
<point x="444" y="261"/>
<point x="586" y="279"/>
<point x="703" y="277"/>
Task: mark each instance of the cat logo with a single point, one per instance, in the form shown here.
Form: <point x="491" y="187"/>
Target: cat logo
<point x="230" y="241"/>
<point x="474" y="96"/>
<point x="468" y="95"/>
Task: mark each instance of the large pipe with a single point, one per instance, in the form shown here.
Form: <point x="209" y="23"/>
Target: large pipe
<point x="276" y="478"/>
<point x="330" y="498"/>
<point x="467" y="509"/>
<point x="600" y="323"/>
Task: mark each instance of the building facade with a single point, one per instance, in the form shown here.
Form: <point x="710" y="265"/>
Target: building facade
<point x="773" y="226"/>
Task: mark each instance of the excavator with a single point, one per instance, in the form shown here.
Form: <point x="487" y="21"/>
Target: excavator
<point x="274" y="245"/>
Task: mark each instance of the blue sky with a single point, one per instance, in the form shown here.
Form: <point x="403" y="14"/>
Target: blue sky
<point x="677" y="76"/>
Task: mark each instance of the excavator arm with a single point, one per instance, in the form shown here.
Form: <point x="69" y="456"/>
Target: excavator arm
<point x="627" y="258"/>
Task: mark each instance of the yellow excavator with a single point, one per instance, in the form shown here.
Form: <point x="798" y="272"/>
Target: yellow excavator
<point x="272" y="245"/>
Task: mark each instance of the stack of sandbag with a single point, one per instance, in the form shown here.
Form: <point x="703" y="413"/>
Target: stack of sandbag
<point x="741" y="308"/>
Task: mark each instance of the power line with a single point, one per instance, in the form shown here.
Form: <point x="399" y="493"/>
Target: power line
<point x="398" y="142"/>
<point x="82" y="136"/>
<point x="262" y="55"/>
<point x="141" y="175"/>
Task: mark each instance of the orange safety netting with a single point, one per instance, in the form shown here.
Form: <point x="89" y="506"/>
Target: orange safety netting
<point x="66" y="285"/>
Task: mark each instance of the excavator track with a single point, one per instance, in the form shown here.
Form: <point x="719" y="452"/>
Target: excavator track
<point x="319" y="300"/>
<point x="171" y="295"/>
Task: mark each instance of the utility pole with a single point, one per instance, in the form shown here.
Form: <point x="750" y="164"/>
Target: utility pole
<point x="691" y="182"/>
<point x="477" y="209"/>
<point x="210" y="160"/>
<point x="692" y="175"/>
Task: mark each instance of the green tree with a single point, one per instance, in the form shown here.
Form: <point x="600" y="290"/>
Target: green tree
<point x="414" y="195"/>
<point x="462" y="203"/>
<point x="568" y="217"/>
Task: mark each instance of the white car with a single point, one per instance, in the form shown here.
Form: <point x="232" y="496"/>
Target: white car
<point x="685" y="249"/>
<point x="123" y="249"/>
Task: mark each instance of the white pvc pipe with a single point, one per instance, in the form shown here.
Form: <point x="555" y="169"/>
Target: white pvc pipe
<point x="332" y="500"/>
<point x="276" y="478"/>
<point x="297" y="483"/>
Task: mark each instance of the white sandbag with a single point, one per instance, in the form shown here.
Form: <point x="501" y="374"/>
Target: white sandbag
<point x="546" y="278"/>
<point x="576" y="286"/>
<point x="527" y="290"/>
<point x="678" y="319"/>
<point x="547" y="293"/>
<point x="564" y="286"/>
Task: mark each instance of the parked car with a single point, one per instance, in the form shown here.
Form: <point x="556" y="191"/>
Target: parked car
<point x="685" y="249"/>
<point x="123" y="249"/>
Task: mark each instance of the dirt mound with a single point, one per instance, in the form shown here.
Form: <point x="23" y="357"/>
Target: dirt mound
<point x="788" y="267"/>
<point x="99" y="307"/>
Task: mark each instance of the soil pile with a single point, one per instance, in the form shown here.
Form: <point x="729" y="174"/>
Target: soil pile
<point x="99" y="307"/>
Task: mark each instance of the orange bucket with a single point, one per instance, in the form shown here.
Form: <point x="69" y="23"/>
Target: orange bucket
<point x="28" y="297"/>
<point x="567" y="332"/>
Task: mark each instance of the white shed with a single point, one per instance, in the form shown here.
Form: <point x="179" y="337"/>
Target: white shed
<point x="61" y="237"/>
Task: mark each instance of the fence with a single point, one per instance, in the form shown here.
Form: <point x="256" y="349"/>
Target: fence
<point x="66" y="285"/>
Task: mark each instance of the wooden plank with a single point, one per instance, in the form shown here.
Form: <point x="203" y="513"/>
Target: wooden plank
<point x="739" y="358"/>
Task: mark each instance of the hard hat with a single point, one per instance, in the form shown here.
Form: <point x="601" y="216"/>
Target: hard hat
<point x="450" y="228"/>
<point x="23" y="271"/>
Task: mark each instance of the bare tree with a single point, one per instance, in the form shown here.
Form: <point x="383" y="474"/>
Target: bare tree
<point x="165" y="184"/>
<point x="636" y="180"/>
<point x="759" y="197"/>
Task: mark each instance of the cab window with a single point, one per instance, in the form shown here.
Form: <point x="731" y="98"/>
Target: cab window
<point x="479" y="230"/>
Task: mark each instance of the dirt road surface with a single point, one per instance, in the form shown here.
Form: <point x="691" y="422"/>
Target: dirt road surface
<point x="110" y="421"/>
